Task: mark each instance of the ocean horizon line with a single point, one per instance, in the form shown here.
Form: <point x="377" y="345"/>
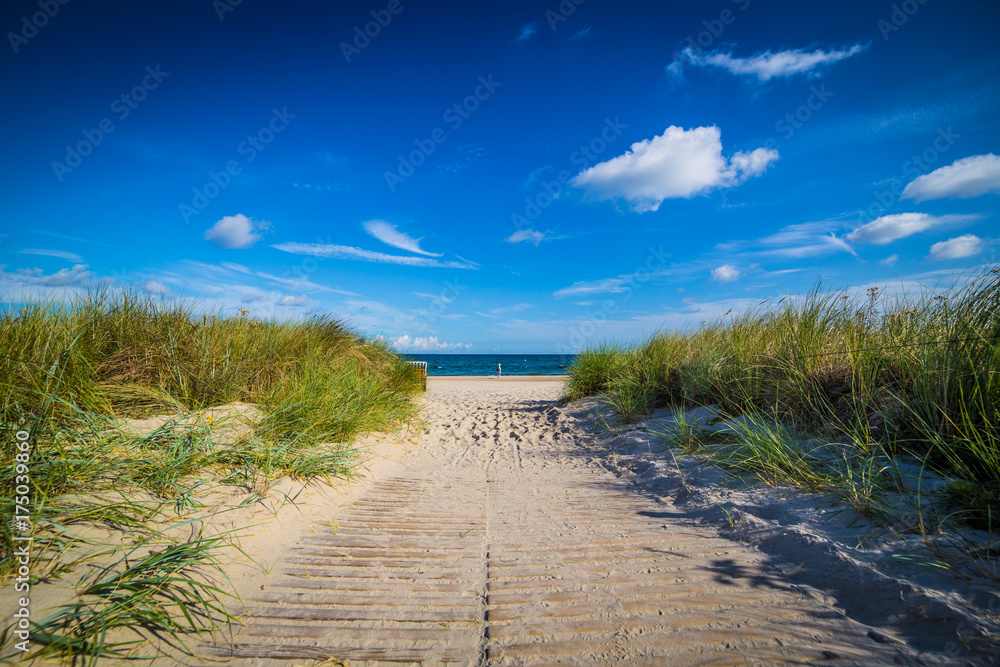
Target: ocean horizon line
<point x="478" y="364"/>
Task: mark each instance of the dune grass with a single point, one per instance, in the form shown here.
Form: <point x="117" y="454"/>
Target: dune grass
<point x="917" y="376"/>
<point x="164" y="591"/>
<point x="69" y="374"/>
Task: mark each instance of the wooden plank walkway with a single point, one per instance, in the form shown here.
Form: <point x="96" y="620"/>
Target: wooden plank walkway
<point x="500" y="546"/>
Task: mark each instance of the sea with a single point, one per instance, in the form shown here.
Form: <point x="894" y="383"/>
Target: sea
<point x="486" y="364"/>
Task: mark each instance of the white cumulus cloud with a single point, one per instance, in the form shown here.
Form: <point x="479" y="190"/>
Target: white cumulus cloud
<point x="965" y="178"/>
<point x="889" y="228"/>
<point x="236" y="231"/>
<point x="966" y="245"/>
<point x="388" y="233"/>
<point x="726" y="273"/>
<point x="766" y="65"/>
<point x="678" y="163"/>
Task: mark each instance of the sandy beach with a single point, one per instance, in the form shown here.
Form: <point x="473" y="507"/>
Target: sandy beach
<point x="509" y="532"/>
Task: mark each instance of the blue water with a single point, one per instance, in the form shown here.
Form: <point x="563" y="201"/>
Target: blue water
<point x="486" y="364"/>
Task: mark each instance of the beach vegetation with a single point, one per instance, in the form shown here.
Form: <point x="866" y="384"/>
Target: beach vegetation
<point x="73" y="377"/>
<point x="827" y="391"/>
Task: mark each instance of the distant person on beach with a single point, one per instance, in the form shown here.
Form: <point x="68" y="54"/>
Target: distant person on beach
<point x="498" y="370"/>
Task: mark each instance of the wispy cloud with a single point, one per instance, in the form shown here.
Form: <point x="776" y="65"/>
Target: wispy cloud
<point x="349" y="252"/>
<point x="300" y="284"/>
<point x="889" y="228"/>
<point x="294" y="280"/>
<point x="653" y="269"/>
<point x="965" y="178"/>
<point x="807" y="239"/>
<point x="820" y="245"/>
<point x="498" y="312"/>
<point x="390" y="235"/>
<point x="528" y="31"/>
<point x="676" y="164"/>
<point x="61" y="254"/>
<point x="581" y="33"/>
<point x="536" y="175"/>
<point x="803" y="233"/>
<point x="236" y="231"/>
<point x="966" y="245"/>
<point x="318" y="187"/>
<point x="766" y="65"/>
<point x="333" y="160"/>
<point x="443" y="298"/>
<point x="529" y="235"/>
<point x="235" y="267"/>
<point x="798" y="241"/>
<point x="603" y="286"/>
<point x="57" y="235"/>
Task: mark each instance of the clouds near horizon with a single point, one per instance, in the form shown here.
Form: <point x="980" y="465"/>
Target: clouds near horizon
<point x="426" y="344"/>
<point x="676" y="164"/>
<point x="77" y="276"/>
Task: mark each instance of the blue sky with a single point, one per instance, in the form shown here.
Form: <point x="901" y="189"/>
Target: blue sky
<point x="497" y="177"/>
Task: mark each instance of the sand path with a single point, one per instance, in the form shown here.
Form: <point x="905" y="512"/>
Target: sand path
<point x="504" y="540"/>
